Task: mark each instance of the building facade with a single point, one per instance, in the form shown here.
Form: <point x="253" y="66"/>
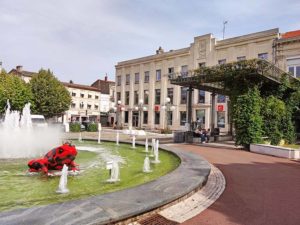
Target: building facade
<point x="146" y="81"/>
<point x="89" y="103"/>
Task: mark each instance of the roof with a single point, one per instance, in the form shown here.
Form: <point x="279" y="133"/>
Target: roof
<point x="80" y="86"/>
<point x="291" y="34"/>
<point x="22" y="73"/>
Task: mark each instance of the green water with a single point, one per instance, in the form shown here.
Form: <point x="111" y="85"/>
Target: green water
<point x="18" y="190"/>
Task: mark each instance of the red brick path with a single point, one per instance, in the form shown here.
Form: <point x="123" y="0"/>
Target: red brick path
<point x="259" y="189"/>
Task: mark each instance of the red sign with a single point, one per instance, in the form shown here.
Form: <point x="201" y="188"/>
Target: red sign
<point x="220" y="108"/>
<point x="156" y="108"/>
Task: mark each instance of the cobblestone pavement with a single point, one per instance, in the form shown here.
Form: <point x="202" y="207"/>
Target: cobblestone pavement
<point x="259" y="190"/>
<point x="199" y="201"/>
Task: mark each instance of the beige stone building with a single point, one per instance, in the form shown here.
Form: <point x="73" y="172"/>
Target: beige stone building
<point x="145" y="81"/>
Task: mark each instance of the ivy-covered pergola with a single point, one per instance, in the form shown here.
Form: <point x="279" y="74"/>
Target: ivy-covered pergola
<point x="235" y="79"/>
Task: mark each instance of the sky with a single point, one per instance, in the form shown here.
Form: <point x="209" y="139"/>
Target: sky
<point x="82" y="40"/>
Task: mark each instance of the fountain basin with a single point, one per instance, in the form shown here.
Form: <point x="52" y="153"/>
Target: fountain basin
<point x="21" y="191"/>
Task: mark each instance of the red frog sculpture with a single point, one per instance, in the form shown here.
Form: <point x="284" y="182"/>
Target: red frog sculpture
<point x="55" y="160"/>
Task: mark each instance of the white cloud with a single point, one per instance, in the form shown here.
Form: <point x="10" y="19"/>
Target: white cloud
<point x="81" y="40"/>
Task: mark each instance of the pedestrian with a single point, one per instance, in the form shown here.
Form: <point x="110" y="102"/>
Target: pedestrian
<point x="202" y="135"/>
<point x="208" y="133"/>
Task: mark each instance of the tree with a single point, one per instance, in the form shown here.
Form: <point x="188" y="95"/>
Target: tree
<point x="247" y="118"/>
<point x="15" y="89"/>
<point x="50" y="97"/>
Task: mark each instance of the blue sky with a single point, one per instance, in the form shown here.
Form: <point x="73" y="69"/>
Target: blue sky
<point x="84" y="39"/>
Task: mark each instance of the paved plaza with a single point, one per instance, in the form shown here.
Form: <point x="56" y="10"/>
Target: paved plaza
<point x="259" y="189"/>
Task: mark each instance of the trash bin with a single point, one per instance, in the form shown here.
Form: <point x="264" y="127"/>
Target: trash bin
<point x="216" y="131"/>
<point x="178" y="137"/>
<point x="189" y="137"/>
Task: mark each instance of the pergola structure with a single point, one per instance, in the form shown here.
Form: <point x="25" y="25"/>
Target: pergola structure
<point x="220" y="80"/>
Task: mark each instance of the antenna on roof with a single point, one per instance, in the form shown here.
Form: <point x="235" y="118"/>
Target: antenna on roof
<point x="224" y="23"/>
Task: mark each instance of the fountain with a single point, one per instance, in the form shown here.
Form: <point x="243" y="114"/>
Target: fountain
<point x="156" y="152"/>
<point x="152" y="147"/>
<point x="114" y="172"/>
<point x="146" y="167"/>
<point x="133" y="141"/>
<point x="117" y="138"/>
<point x="99" y="133"/>
<point x="62" y="187"/>
<point x="19" y="139"/>
<point x="80" y="137"/>
<point x="146" y="146"/>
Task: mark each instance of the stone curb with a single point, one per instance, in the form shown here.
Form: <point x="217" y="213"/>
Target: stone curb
<point x="113" y="207"/>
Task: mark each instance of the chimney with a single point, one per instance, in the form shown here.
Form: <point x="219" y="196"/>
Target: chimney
<point x="19" y="68"/>
<point x="105" y="78"/>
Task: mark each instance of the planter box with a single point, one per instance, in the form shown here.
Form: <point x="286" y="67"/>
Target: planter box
<point x="275" y="151"/>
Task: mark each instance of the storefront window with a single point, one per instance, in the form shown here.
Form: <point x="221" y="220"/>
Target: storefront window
<point x="221" y="119"/>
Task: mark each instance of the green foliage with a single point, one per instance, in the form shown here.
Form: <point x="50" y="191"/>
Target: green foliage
<point x="51" y="98"/>
<point x="166" y="131"/>
<point x="74" y="127"/>
<point x="92" y="127"/>
<point x="247" y="118"/>
<point x="15" y="89"/>
<point x="273" y="112"/>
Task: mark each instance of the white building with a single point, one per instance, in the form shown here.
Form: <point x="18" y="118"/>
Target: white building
<point x="146" y="79"/>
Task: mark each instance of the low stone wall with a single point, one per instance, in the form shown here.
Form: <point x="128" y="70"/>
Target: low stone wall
<point x="275" y="151"/>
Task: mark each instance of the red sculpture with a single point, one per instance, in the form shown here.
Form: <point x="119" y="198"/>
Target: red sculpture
<point x="55" y="159"/>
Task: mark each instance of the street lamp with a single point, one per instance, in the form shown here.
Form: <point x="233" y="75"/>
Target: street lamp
<point x="119" y="108"/>
<point x="140" y="107"/>
<point x="167" y="107"/>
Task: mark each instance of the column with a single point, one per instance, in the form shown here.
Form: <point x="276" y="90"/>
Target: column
<point x="213" y="111"/>
<point x="190" y="109"/>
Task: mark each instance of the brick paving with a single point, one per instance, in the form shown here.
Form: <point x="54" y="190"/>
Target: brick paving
<point x="259" y="189"/>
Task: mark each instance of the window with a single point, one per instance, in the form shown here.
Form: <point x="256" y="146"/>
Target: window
<point x="126" y="117"/>
<point x="170" y="94"/>
<point x="96" y="97"/>
<point x="89" y="96"/>
<point x="127" y="98"/>
<point x="82" y="95"/>
<point x="222" y="61"/>
<point x="201" y="65"/>
<point x="145" y="117"/>
<point x="147" y="77"/>
<point x="171" y="72"/>
<point x="136" y="97"/>
<point x="136" y="78"/>
<point x="158" y="75"/>
<point x="96" y="107"/>
<point x="157" y="96"/>
<point x="89" y="106"/>
<point x="118" y="80"/>
<point x="182" y="118"/>
<point x="201" y="98"/>
<point x="200" y="115"/>
<point x="146" y="97"/>
<point x="118" y="96"/>
<point x="294" y="66"/>
<point x="127" y="79"/>
<point x="221" y="99"/>
<point x="263" y="56"/>
<point x="81" y="105"/>
<point x="73" y="94"/>
<point x="73" y="105"/>
<point x="156" y="117"/>
<point x="183" y="98"/>
<point x="170" y="118"/>
<point x="184" y="71"/>
<point x="241" y="58"/>
<point x="221" y="119"/>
